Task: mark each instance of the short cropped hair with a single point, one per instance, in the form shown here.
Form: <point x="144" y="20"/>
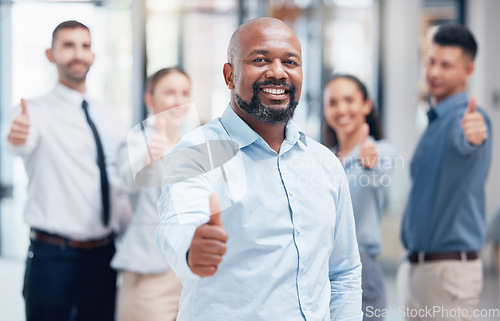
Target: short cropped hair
<point x="455" y="35"/>
<point x="70" y="24"/>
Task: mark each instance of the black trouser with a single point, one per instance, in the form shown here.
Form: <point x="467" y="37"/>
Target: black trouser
<point x="63" y="283"/>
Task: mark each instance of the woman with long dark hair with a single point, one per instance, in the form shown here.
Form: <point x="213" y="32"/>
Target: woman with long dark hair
<point x="352" y="129"/>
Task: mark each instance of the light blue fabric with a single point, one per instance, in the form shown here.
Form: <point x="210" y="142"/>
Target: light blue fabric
<point x="368" y="188"/>
<point x="291" y="253"/>
<point x="446" y="207"/>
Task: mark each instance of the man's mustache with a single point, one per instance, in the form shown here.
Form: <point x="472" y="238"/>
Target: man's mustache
<point x="256" y="85"/>
<point x="77" y="62"/>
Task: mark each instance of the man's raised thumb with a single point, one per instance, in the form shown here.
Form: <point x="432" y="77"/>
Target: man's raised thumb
<point x="472" y="105"/>
<point x="215" y="212"/>
<point x="24" y="109"/>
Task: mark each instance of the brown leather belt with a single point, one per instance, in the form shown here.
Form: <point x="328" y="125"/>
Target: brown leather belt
<point x="455" y="256"/>
<point x="60" y="241"/>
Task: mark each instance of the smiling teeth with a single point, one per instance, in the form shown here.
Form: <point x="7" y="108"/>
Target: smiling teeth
<point x="274" y="91"/>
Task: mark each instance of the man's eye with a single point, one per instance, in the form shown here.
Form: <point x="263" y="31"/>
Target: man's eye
<point x="291" y="62"/>
<point x="259" y="60"/>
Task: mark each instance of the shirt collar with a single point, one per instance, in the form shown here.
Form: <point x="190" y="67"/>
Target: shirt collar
<point x="450" y="103"/>
<point x="71" y="95"/>
<point x="244" y="135"/>
<point x="294" y="134"/>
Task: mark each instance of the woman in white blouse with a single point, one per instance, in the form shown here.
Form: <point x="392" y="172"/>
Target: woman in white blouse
<point x="150" y="290"/>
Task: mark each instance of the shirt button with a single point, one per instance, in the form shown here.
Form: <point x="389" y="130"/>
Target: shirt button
<point x="299" y="229"/>
<point x="290" y="193"/>
<point x="302" y="267"/>
<point x="306" y="306"/>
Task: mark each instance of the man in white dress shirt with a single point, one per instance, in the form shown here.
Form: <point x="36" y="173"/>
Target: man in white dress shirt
<point x="67" y="142"/>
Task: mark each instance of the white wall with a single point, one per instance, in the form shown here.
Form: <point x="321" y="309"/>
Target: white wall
<point x="482" y="19"/>
<point x="400" y="69"/>
<point x="401" y="74"/>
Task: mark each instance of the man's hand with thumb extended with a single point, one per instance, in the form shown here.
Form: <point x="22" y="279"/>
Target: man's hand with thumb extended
<point x="20" y="126"/>
<point x="473" y="124"/>
<point x="209" y="242"/>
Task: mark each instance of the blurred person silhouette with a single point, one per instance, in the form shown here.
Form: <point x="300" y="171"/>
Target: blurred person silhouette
<point x="283" y="248"/>
<point x="150" y="289"/>
<point x="493" y="236"/>
<point x="353" y="131"/>
<point x="443" y="226"/>
<point x="68" y="142"/>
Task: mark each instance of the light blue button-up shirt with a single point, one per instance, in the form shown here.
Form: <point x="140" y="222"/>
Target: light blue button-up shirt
<point x="368" y="188"/>
<point x="291" y="251"/>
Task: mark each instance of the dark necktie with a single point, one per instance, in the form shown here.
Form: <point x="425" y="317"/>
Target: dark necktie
<point x="102" y="167"/>
<point x="432" y="115"/>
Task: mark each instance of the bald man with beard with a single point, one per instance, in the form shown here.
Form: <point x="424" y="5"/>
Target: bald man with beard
<point x="256" y="217"/>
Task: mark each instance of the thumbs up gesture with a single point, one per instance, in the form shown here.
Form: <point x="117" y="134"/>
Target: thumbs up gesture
<point x="159" y="143"/>
<point x="368" y="154"/>
<point x="473" y="124"/>
<point x="209" y="242"/>
<point x="20" y="127"/>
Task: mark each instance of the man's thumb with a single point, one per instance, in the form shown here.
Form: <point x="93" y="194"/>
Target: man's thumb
<point x="215" y="212"/>
<point x="23" y="107"/>
<point x="472" y="105"/>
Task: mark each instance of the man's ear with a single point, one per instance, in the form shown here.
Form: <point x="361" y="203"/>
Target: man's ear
<point x="470" y="66"/>
<point x="49" y="54"/>
<point x="228" y="72"/>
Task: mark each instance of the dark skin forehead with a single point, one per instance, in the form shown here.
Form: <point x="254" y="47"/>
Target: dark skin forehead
<point x="251" y="34"/>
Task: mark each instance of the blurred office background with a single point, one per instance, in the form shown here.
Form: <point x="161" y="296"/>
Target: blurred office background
<point x="381" y="41"/>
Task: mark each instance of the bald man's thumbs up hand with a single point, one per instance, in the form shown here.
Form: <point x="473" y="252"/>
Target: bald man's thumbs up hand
<point x="209" y="243"/>
<point x="473" y="124"/>
<point x="368" y="154"/>
<point x="20" y="127"/>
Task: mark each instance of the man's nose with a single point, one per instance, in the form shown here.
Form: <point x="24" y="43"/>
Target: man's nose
<point x="79" y="53"/>
<point x="432" y="70"/>
<point x="276" y="70"/>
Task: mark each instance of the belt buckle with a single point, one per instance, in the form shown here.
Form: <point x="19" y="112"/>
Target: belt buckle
<point x="463" y="256"/>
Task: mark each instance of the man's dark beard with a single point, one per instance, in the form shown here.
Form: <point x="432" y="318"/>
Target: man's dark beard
<point x="263" y="112"/>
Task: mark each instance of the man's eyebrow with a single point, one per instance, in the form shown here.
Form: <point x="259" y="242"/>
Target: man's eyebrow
<point x="293" y="55"/>
<point x="259" y="51"/>
<point x="264" y="51"/>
